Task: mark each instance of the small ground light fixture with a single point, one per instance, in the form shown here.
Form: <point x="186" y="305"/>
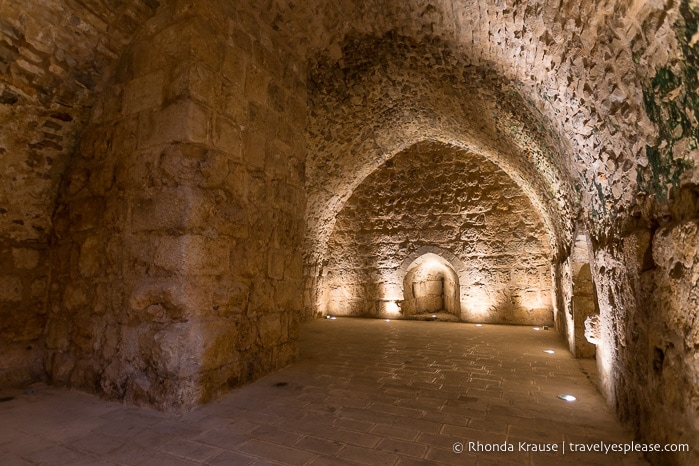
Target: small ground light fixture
<point x="537" y="328"/>
<point x="479" y="325"/>
<point x="549" y="351"/>
<point x="567" y="397"/>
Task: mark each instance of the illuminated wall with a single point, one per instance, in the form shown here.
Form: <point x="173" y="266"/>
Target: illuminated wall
<point x="435" y="204"/>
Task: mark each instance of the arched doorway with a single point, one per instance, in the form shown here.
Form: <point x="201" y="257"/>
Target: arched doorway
<point x="431" y="286"/>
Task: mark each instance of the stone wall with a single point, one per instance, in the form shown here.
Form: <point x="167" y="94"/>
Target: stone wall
<point x="590" y="107"/>
<point x="50" y="69"/>
<point x="177" y="265"/>
<point x="23" y="290"/>
<point x="440" y="197"/>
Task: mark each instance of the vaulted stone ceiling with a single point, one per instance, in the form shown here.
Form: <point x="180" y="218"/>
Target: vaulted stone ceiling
<point x="579" y="69"/>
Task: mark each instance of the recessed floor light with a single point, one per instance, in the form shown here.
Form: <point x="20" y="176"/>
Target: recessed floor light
<point x="567" y="397"/>
<point x="333" y="318"/>
<point x="479" y="325"/>
<point x="537" y="328"/>
<point x="549" y="351"/>
<point x="388" y="320"/>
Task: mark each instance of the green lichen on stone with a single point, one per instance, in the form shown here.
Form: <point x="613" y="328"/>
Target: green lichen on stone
<point x="672" y="102"/>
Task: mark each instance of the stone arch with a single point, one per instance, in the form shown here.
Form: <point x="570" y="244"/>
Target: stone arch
<point x="603" y="76"/>
<point x="450" y="288"/>
<point x="385" y="226"/>
<point x="352" y="137"/>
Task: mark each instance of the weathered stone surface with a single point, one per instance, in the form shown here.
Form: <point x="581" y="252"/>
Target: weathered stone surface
<point x="592" y="329"/>
<point x="211" y="150"/>
<point x="433" y="199"/>
<point x="155" y="246"/>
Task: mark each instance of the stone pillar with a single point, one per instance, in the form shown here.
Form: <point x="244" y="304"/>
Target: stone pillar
<point x="179" y="228"/>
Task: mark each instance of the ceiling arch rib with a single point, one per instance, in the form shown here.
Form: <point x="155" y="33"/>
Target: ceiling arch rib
<point x="393" y="93"/>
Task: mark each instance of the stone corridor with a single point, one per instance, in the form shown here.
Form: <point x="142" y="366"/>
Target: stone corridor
<point x="184" y="184"/>
<point x="364" y="391"/>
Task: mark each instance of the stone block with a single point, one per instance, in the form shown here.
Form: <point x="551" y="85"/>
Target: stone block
<point x="38" y="288"/>
<point x="10" y="288"/>
<point x="175" y="352"/>
<point x="286" y="294"/>
<point x="85" y="374"/>
<point x="207" y="46"/>
<point x="227" y="136"/>
<point x="215" y="168"/>
<point x="180" y="163"/>
<point x="230" y="298"/>
<point x="275" y="264"/>
<point x="234" y="105"/>
<point x="57" y="334"/>
<point x="270" y="330"/>
<point x="61" y="365"/>
<point x="75" y="297"/>
<point x="219" y="340"/>
<point x="183" y="120"/>
<point x="254" y="150"/>
<point x="92" y="257"/>
<point x="193" y="79"/>
<point x="593" y="329"/>
<point x="192" y="255"/>
<point x="175" y="209"/>
<point x="26" y="258"/>
<point x="144" y="93"/>
<point x="159" y="301"/>
<point x="83" y="214"/>
<point x="235" y="62"/>
<point x="256" y="83"/>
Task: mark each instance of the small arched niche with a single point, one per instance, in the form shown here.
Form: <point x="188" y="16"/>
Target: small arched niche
<point x="431" y="286"/>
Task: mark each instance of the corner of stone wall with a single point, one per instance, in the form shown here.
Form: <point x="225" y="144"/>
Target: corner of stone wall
<point x="177" y="265"/>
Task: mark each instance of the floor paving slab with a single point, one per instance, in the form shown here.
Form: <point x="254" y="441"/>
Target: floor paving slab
<point x="362" y="392"/>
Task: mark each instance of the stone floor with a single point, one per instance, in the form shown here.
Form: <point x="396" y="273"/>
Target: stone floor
<point x="364" y="392"/>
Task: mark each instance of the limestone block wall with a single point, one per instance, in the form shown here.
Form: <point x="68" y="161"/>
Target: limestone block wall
<point x="177" y="267"/>
<point x="669" y="337"/>
<point x="51" y="61"/>
<point x="591" y="107"/>
<point x="23" y="291"/>
<point x="455" y="203"/>
<point x="645" y="275"/>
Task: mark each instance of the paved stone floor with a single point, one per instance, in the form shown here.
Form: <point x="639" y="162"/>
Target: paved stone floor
<point x="364" y="392"/>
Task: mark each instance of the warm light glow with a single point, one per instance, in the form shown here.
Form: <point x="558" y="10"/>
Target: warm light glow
<point x="479" y="325"/>
<point x="537" y="328"/>
<point x="549" y="351"/>
<point x="477" y="302"/>
<point x="388" y="320"/>
<point x="388" y="290"/>
<point x="333" y="318"/>
<point x="392" y="307"/>
<point x="567" y="397"/>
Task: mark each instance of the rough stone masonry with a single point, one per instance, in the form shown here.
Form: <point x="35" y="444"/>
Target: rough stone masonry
<point x="179" y="178"/>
